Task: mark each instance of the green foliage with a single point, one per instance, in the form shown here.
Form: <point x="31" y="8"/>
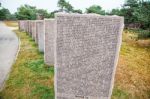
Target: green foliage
<point x="4" y="14"/>
<point x="61" y="4"/>
<point x="43" y="12"/>
<point x="26" y="12"/>
<point x="95" y="9"/>
<point x="115" y="12"/>
<point x="135" y="12"/>
<point x="77" y="11"/>
<point x="65" y="6"/>
<point x="141" y="34"/>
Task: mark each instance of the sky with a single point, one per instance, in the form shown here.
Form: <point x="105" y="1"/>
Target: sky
<point x="51" y="5"/>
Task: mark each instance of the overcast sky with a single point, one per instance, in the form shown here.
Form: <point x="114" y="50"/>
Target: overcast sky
<point x="51" y="5"/>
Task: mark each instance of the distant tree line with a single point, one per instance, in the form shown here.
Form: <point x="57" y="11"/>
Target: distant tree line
<point x="136" y="12"/>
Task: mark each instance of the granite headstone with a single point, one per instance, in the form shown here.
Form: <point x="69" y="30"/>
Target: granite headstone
<point x="49" y="41"/>
<point x="86" y="53"/>
<point x="40" y="34"/>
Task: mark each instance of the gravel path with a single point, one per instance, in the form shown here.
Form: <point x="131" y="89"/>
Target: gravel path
<point x="9" y="44"/>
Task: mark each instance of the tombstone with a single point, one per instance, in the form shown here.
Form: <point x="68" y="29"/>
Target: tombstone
<point x="21" y="25"/>
<point x="30" y="29"/>
<point x="40" y="34"/>
<point x="25" y="25"/>
<point x="30" y="24"/>
<point x="49" y="41"/>
<point x="33" y="30"/>
<point x="86" y="55"/>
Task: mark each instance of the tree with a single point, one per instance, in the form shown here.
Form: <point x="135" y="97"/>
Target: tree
<point x="115" y="12"/>
<point x="137" y="12"/>
<point x="43" y="12"/>
<point x="26" y="12"/>
<point x="65" y="6"/>
<point x="77" y="11"/>
<point x="61" y="4"/>
<point x="95" y="9"/>
<point x="68" y="7"/>
<point x="4" y="14"/>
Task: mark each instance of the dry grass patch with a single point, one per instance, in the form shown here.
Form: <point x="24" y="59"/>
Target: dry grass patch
<point x="11" y="23"/>
<point x="133" y="71"/>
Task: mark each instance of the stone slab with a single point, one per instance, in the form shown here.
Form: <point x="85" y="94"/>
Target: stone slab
<point x="30" y="29"/>
<point x="40" y="34"/>
<point x="33" y="29"/>
<point x="49" y="41"/>
<point x="86" y="55"/>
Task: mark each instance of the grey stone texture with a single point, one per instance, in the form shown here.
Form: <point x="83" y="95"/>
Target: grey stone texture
<point x="23" y="25"/>
<point x="33" y="30"/>
<point x="86" y="54"/>
<point x="30" y="29"/>
<point x="26" y="25"/>
<point x="31" y="22"/>
<point x="40" y="34"/>
<point x="49" y="25"/>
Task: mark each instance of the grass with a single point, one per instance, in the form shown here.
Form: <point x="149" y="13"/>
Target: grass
<point x="11" y="23"/>
<point x="133" y="72"/>
<point x="142" y="34"/>
<point x="30" y="78"/>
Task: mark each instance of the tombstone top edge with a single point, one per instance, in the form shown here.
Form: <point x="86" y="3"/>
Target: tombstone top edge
<point x="49" y="19"/>
<point x="39" y="20"/>
<point x="88" y="15"/>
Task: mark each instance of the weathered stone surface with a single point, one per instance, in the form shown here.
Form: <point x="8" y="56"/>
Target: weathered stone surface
<point x="23" y="25"/>
<point x="30" y="29"/>
<point x="40" y="34"/>
<point x="31" y="22"/>
<point x="49" y="41"/>
<point x="33" y="29"/>
<point x="87" y="50"/>
<point x="26" y="25"/>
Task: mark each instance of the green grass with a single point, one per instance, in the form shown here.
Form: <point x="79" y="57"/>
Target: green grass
<point x="30" y="78"/>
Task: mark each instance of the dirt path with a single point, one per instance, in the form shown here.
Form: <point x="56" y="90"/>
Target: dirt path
<point x="9" y="44"/>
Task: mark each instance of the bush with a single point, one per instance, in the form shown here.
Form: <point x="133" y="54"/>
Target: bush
<point x="142" y="34"/>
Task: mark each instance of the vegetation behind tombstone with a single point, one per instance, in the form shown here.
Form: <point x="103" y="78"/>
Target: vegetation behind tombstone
<point x="67" y="7"/>
<point x="4" y="14"/>
<point x="135" y="12"/>
<point x="27" y="12"/>
<point x="95" y="9"/>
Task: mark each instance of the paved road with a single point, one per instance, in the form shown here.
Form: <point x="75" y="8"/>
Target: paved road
<point x="9" y="44"/>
